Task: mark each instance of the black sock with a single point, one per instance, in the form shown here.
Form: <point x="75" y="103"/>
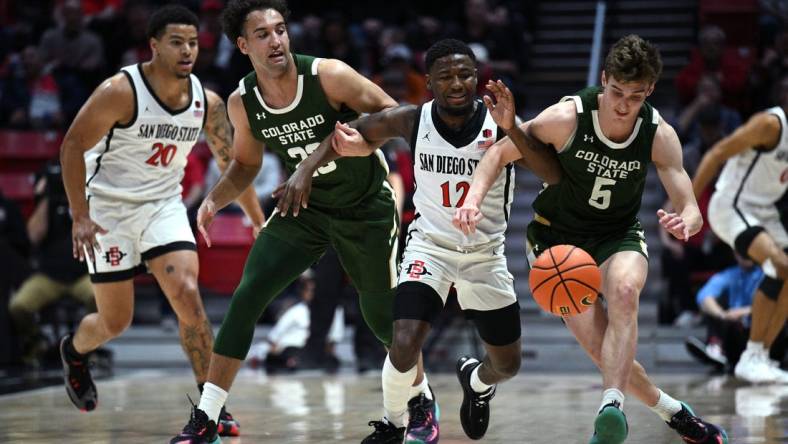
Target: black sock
<point x="201" y="387"/>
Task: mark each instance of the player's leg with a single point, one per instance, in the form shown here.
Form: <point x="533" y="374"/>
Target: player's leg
<point x="272" y="264"/>
<point x="485" y="291"/>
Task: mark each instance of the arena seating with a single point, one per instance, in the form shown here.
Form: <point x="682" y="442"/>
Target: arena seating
<point x="222" y="264"/>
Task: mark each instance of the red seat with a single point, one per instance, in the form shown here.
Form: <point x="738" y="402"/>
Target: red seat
<point x="19" y="188"/>
<point x="221" y="265"/>
<point x="26" y="151"/>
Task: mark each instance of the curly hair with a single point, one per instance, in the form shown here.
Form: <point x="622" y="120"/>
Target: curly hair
<point x="445" y="47"/>
<point x="168" y="15"/>
<point x="235" y="13"/>
<point x="632" y="59"/>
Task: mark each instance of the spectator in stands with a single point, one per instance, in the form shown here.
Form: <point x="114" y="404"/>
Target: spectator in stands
<point x="725" y="301"/>
<point x="772" y="67"/>
<point x="711" y="57"/>
<point x="399" y="72"/>
<point x="280" y="348"/>
<point x="15" y="249"/>
<point x="57" y="274"/>
<point x="75" y="56"/>
<point x="337" y="41"/>
<point x="708" y="98"/>
<point x="30" y="93"/>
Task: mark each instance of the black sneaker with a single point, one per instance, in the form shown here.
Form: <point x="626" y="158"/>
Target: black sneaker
<point x="385" y="433"/>
<point x="76" y="376"/>
<point x="199" y="430"/>
<point x="694" y="430"/>
<point x="423" y="426"/>
<point x="228" y="426"/>
<point x="475" y="408"/>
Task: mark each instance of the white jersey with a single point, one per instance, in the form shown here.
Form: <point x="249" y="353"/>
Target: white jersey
<point x="145" y="160"/>
<point x="443" y="170"/>
<point x="757" y="177"/>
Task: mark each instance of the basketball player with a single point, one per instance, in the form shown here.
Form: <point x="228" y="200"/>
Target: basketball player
<point x="743" y="212"/>
<point x="605" y="139"/>
<point x="289" y="104"/>
<point x="449" y="136"/>
<point x="129" y="142"/>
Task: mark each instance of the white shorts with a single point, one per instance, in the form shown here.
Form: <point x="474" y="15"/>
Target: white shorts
<point x="137" y="232"/>
<point x="482" y="278"/>
<point x="729" y="221"/>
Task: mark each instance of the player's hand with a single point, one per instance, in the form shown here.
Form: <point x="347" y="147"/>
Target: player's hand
<point x="83" y="237"/>
<point x="674" y="224"/>
<point x="466" y="217"/>
<point x="348" y="142"/>
<point x="294" y="192"/>
<point x="205" y="215"/>
<point x="502" y="111"/>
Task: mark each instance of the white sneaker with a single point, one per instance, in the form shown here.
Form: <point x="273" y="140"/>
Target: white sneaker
<point x="754" y="368"/>
<point x="780" y="375"/>
<point x="714" y="351"/>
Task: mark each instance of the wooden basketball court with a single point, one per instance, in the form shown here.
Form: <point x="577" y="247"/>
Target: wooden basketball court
<point x="151" y="406"/>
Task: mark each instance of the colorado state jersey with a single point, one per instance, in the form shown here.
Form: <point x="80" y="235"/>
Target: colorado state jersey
<point x="443" y="171"/>
<point x="603" y="181"/>
<point x="145" y="159"/>
<point x="757" y="176"/>
<point x="295" y="131"/>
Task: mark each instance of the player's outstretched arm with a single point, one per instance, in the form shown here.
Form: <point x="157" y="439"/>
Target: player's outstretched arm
<point x="762" y="130"/>
<point x="219" y="134"/>
<point x="110" y="104"/>
<point x="247" y="157"/>
<point x="375" y="129"/>
<point x="342" y="86"/>
<point x="666" y="155"/>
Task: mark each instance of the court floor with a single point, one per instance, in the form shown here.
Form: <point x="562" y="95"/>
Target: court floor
<point x="151" y="406"/>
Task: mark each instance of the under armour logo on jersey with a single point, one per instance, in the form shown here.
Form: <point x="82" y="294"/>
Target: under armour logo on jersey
<point x="587" y="138"/>
<point x="427" y="136"/>
<point x="416" y="270"/>
<point x="260" y="116"/>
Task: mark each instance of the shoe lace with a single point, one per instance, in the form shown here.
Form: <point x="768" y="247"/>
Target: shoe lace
<point x="418" y="411"/>
<point x="690" y="426"/>
<point x="195" y="424"/>
<point x="380" y="426"/>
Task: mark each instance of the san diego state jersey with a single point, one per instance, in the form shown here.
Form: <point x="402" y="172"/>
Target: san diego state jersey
<point x="145" y="159"/>
<point x="758" y="176"/>
<point x="443" y="165"/>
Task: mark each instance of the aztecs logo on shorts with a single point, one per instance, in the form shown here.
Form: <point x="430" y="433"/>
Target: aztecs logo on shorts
<point x="416" y="270"/>
<point x="113" y="256"/>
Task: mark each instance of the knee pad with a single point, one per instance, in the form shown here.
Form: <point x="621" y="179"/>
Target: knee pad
<point x="744" y="240"/>
<point x="771" y="287"/>
<point x="417" y="300"/>
<point x="498" y="327"/>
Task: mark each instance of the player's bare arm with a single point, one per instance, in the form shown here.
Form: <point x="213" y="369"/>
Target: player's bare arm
<point x="110" y="104"/>
<point x="666" y="155"/>
<point x="246" y="161"/>
<point x="219" y="134"/>
<point x="375" y="129"/>
<point x="552" y="127"/>
<point x="762" y="130"/>
<point x="342" y="85"/>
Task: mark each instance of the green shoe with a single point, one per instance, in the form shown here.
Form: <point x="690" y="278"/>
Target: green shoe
<point x="610" y="426"/>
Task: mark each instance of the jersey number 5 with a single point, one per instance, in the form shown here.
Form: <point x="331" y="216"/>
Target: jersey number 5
<point x="162" y="154"/>
<point x="600" y="199"/>
<point x="462" y="187"/>
<point x="303" y="153"/>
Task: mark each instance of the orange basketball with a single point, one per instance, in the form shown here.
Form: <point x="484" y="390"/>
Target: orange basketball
<point x="565" y="280"/>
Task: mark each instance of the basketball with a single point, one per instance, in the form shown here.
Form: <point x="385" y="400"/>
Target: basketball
<point x="565" y="280"/>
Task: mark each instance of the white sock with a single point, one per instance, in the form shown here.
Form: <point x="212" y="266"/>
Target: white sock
<point x="611" y="395"/>
<point x="395" y="392"/>
<point x="212" y="400"/>
<point x="476" y="384"/>
<point x="755" y="347"/>
<point x="666" y="407"/>
<point x="416" y="390"/>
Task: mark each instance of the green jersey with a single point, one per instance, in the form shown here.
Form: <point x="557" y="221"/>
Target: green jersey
<point x="603" y="181"/>
<point x="295" y="131"/>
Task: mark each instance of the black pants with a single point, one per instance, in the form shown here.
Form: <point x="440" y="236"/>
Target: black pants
<point x="733" y="337"/>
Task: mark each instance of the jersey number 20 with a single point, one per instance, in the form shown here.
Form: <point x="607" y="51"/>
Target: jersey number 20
<point x="600" y="199"/>
<point x="303" y="153"/>
<point x="162" y="155"/>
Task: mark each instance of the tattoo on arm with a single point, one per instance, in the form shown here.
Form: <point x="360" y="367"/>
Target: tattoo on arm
<point x="219" y="133"/>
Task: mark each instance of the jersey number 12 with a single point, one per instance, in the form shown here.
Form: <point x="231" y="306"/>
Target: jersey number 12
<point x="462" y="187"/>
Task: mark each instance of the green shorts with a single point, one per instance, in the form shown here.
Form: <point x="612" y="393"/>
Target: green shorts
<point x="541" y="236"/>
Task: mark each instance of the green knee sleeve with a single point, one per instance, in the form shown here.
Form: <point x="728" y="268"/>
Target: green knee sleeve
<point x="378" y="310"/>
